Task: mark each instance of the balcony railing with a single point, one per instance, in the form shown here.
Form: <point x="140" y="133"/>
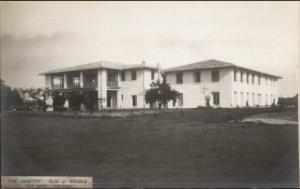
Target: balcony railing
<point x="112" y="84"/>
<point x="57" y="86"/>
<point x="73" y="85"/>
<point x="90" y="84"/>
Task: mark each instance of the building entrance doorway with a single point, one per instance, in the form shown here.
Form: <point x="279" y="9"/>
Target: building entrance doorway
<point x="112" y="99"/>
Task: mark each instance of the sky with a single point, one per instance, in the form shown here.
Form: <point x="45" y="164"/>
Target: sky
<point x="40" y="36"/>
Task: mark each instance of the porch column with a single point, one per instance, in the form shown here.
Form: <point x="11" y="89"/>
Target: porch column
<point x="119" y="100"/>
<point x="102" y="88"/>
<point x="81" y="79"/>
<point x="65" y="81"/>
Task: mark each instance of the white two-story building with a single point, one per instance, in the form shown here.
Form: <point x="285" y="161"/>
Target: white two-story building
<point x="225" y="84"/>
<point x="117" y="85"/>
<point x="124" y="86"/>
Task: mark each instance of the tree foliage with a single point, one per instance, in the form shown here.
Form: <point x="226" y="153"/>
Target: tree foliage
<point x="288" y="102"/>
<point x="34" y="98"/>
<point x="76" y="99"/>
<point x="90" y="100"/>
<point x="58" y="101"/>
<point x="10" y="98"/>
<point x="162" y="93"/>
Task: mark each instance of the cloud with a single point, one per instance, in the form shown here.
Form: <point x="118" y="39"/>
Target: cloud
<point x="23" y="57"/>
<point x="13" y="42"/>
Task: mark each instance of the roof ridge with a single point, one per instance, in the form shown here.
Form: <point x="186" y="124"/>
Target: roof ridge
<point x="98" y="64"/>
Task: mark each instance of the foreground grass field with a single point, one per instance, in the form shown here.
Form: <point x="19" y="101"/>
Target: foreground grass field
<point x="165" y="150"/>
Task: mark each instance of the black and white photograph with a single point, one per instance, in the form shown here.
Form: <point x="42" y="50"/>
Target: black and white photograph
<point x="149" y="94"/>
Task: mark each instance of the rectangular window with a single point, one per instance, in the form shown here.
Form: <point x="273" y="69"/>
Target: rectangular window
<point x="179" y="78"/>
<point x="180" y="99"/>
<point x="123" y="75"/>
<point x="215" y="75"/>
<point x="133" y="75"/>
<point x="247" y="78"/>
<point x="216" y="98"/>
<point x="134" y="100"/>
<point x="242" y="99"/>
<point x="90" y="78"/>
<point x="252" y="78"/>
<point x="247" y="100"/>
<point x="242" y="73"/>
<point x="76" y="81"/>
<point x="266" y="99"/>
<point x="259" y="80"/>
<point x="197" y="77"/>
<point x="57" y="81"/>
<point x="234" y="75"/>
<point x="122" y="97"/>
<point x="152" y="74"/>
<point x="259" y="99"/>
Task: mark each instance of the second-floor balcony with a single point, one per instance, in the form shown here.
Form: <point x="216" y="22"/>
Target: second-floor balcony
<point x="112" y="79"/>
<point x="57" y="86"/>
<point x="112" y="84"/>
<point x="90" y="79"/>
<point x="73" y="85"/>
<point x="84" y="79"/>
<point x="90" y="84"/>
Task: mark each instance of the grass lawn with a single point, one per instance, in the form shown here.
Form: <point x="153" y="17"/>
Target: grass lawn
<point x="164" y="150"/>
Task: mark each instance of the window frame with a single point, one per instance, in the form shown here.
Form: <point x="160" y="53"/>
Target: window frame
<point x="197" y="76"/>
<point x="180" y="100"/>
<point x="179" y="80"/>
<point x="213" y="76"/>
<point x="241" y="77"/>
<point x="123" y="76"/>
<point x="134" y="100"/>
<point x="74" y="80"/>
<point x="59" y="77"/>
<point x="216" y="101"/>
<point x="133" y="75"/>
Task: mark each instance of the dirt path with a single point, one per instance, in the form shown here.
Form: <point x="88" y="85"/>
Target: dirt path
<point x="278" y="118"/>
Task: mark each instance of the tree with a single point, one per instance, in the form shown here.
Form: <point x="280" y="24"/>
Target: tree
<point x="90" y="100"/>
<point x="162" y="93"/>
<point x="35" y="98"/>
<point x="75" y="100"/>
<point x="288" y="101"/>
<point x="58" y="101"/>
<point x="10" y="98"/>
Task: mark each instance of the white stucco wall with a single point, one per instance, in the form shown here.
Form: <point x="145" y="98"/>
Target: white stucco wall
<point x="266" y="87"/>
<point x="193" y="93"/>
<point x="48" y="81"/>
<point x="232" y="93"/>
<point x="135" y="87"/>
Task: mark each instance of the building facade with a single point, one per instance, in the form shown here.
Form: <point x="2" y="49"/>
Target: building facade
<point x="221" y="84"/>
<point x="115" y="85"/>
<point x="213" y="82"/>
